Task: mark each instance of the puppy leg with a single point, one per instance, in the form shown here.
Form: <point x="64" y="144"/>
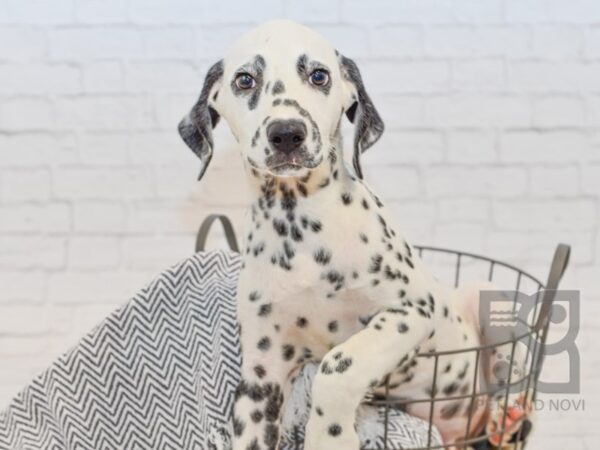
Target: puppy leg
<point x="351" y="368"/>
<point x="267" y="363"/>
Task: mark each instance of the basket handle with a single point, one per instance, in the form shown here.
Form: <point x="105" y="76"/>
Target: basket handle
<point x="557" y="269"/>
<point x="205" y="228"/>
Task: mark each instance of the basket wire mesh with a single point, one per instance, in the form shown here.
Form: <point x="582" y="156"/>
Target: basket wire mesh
<point x="535" y="337"/>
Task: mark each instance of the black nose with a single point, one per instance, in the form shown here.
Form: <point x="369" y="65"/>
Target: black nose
<point x="286" y="135"/>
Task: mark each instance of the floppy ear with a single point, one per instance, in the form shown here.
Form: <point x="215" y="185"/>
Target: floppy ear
<point x="196" y="128"/>
<point x="361" y="112"/>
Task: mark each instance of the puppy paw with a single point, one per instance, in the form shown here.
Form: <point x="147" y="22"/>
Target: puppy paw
<point x="330" y="434"/>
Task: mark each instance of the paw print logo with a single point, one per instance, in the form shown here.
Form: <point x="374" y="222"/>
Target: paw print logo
<point x="502" y="369"/>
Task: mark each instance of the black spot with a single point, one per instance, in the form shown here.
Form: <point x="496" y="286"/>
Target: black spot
<point x="399" y="311"/>
<point x="271" y="435"/>
<point x="376" y="261"/>
<point x="450" y="389"/>
<point x="319" y="411"/>
<point x="316" y="226"/>
<point x="365" y="203"/>
<point x="322" y="256"/>
<point x="302" y="189"/>
<point x="463" y="373"/>
<point x="431" y="392"/>
<point x="446" y="311"/>
<point x="408" y="249"/>
<point x="409" y="263"/>
<point x="288" y="352"/>
<point x="274" y="401"/>
<point x="238" y="426"/>
<point x="325" y="369"/>
<point x="284" y="264"/>
<point x="301" y="322"/>
<point x="265" y="309"/>
<point x="448" y="368"/>
<point x="343" y="365"/>
<point x="391" y="274"/>
<point x="288" y="200"/>
<point x="253" y="143"/>
<point x="278" y="87"/>
<point x="258" y="249"/>
<point x="334" y="430"/>
<point x="346" y="198"/>
<point x="332" y="326"/>
<point x="324" y="183"/>
<point x="256" y="416"/>
<point x="423" y="313"/>
<point x="254" y="295"/>
<point x="264" y="343"/>
<point x="449" y="411"/>
<point x="253" y="445"/>
<point x="260" y="371"/>
<point x="253" y="101"/>
<point x="402" y="327"/>
<point x="296" y="233"/>
<point x="288" y="250"/>
<point x="401" y="293"/>
<point x="280" y="227"/>
<point x="255" y="392"/>
<point x="335" y="277"/>
<point x="364" y="238"/>
<point x="377" y="327"/>
<point x="301" y="65"/>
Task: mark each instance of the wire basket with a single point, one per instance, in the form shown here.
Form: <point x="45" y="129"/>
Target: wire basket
<point x="534" y="338"/>
<point x="458" y="266"/>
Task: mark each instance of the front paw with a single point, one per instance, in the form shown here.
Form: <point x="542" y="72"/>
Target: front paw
<point x="330" y="434"/>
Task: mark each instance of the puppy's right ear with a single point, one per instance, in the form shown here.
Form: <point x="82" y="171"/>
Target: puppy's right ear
<point x="196" y="128"/>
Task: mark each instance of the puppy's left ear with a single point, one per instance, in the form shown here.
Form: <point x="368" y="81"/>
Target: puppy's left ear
<point x="196" y="128"/>
<point x="361" y="112"/>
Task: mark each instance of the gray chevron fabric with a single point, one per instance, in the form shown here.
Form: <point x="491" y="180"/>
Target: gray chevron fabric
<point x="159" y="373"/>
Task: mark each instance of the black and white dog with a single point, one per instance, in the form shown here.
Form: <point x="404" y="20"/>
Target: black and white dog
<point x="327" y="276"/>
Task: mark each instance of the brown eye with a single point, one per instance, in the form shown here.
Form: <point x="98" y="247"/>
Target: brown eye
<point x="245" y="81"/>
<point x="319" y="77"/>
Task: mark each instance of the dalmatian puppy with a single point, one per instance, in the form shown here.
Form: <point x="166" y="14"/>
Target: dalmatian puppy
<point x="326" y="276"/>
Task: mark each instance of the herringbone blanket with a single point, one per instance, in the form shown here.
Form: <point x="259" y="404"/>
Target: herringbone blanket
<point x="158" y="373"/>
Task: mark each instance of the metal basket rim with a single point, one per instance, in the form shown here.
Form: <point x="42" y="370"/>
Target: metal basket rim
<point x="480" y="257"/>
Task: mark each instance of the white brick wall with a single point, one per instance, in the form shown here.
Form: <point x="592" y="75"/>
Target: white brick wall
<point x="493" y="144"/>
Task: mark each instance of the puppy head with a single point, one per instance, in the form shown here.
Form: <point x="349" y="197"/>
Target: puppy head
<point x="283" y="90"/>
